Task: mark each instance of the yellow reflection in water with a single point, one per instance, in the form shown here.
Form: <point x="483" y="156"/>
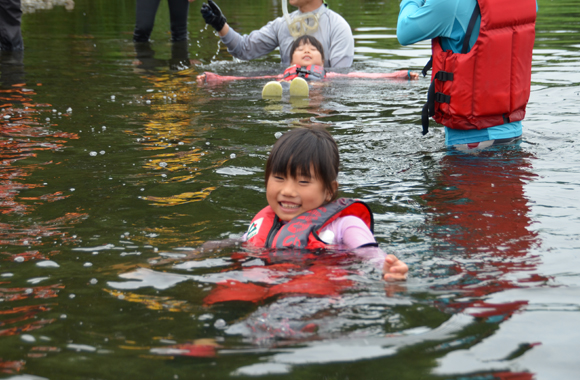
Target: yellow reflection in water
<point x="152" y="302"/>
<point x="180" y="199"/>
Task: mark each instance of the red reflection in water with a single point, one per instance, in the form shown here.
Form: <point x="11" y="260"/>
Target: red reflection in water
<point x="11" y="366"/>
<point x="479" y="213"/>
<point x="479" y="220"/>
<point x="23" y="135"/>
<point x="261" y="282"/>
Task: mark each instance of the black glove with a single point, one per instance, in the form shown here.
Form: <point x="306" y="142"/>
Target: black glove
<point x="213" y="15"/>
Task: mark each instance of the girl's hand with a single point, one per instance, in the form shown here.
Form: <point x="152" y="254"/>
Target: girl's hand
<point x="394" y="269"/>
<point x="200" y="79"/>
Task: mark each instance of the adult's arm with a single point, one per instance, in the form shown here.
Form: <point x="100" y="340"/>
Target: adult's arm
<point x="341" y="52"/>
<point x="425" y="19"/>
<point x="256" y="44"/>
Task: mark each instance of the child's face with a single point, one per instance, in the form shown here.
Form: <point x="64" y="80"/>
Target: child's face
<point x="290" y="197"/>
<point x="306" y="54"/>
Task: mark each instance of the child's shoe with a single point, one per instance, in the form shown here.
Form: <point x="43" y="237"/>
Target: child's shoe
<point x="272" y="89"/>
<point x="299" y="87"/>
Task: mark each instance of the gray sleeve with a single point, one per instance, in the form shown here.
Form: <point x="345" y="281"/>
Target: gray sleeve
<point x="256" y="44"/>
<point x="341" y="52"/>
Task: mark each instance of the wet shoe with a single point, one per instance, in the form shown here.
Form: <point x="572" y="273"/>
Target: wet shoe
<point x="299" y="87"/>
<point x="272" y="90"/>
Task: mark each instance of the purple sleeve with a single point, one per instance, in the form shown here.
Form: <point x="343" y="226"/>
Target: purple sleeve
<point x="351" y="232"/>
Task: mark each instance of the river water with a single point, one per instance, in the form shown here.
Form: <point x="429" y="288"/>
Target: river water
<point x="115" y="165"/>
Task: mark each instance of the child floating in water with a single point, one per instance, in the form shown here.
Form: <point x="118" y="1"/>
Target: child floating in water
<point x="307" y="59"/>
<point x="303" y="211"/>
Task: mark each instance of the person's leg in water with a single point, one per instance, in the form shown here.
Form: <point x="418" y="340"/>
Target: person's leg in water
<point x="10" y="30"/>
<point x="144" y="19"/>
<point x="179" y="56"/>
<point x="11" y="67"/>
<point x="178" y="16"/>
<point x="486" y="144"/>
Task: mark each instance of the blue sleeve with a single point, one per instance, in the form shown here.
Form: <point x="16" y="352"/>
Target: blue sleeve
<point x="425" y="19"/>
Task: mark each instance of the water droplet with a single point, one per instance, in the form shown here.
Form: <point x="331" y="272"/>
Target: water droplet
<point x="220" y="324"/>
<point x="112" y="97"/>
<point x="47" y="264"/>
<point x="72" y="189"/>
<point x="163" y="164"/>
<point x="93" y="153"/>
<point x="69" y="110"/>
<point x="102" y="152"/>
<point x="93" y="281"/>
<point x="63" y="316"/>
<point x="28" y="338"/>
<point x="277" y="135"/>
<point x="71" y="296"/>
<point x="88" y="264"/>
<point x="104" y="128"/>
<point x="148" y="101"/>
<point x="233" y="155"/>
<point x="19" y="259"/>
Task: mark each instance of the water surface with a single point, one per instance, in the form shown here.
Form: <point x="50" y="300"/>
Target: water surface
<point x="115" y="164"/>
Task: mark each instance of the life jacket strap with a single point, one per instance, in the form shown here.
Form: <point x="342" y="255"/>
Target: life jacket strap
<point x="444" y="76"/>
<point x="470" y="26"/>
<point x="427" y="67"/>
<point x="428" y="109"/>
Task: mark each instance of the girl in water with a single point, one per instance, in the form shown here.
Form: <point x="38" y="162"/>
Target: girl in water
<point x="303" y="211"/>
<point x="307" y="59"/>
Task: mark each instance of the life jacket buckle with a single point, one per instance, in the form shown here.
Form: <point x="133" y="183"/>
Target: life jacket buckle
<point x="442" y="98"/>
<point x="444" y="76"/>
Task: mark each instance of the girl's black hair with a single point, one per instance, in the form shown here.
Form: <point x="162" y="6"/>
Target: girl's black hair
<point x="307" y="39"/>
<point x="302" y="148"/>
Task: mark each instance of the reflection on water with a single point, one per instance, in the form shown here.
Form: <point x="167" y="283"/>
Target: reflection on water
<point x="26" y="130"/>
<point x="115" y="165"/>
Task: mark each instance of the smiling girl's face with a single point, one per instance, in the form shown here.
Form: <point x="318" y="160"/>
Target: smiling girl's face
<point x="290" y="197"/>
<point x="307" y="54"/>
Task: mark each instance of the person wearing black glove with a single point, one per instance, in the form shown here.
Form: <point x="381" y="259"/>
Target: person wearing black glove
<point x="212" y="14"/>
<point x="145" y="17"/>
<point x="327" y="26"/>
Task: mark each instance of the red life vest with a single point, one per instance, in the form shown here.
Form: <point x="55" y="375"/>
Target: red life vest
<point x="308" y="72"/>
<point x="490" y="84"/>
<point x="266" y="229"/>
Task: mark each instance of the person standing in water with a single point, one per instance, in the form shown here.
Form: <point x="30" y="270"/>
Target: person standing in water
<point x="10" y="30"/>
<point x="312" y="17"/>
<point x="145" y="18"/>
<point x="482" y="58"/>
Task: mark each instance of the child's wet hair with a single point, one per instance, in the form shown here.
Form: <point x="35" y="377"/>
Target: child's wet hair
<point x="300" y="149"/>
<point x="307" y="39"/>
